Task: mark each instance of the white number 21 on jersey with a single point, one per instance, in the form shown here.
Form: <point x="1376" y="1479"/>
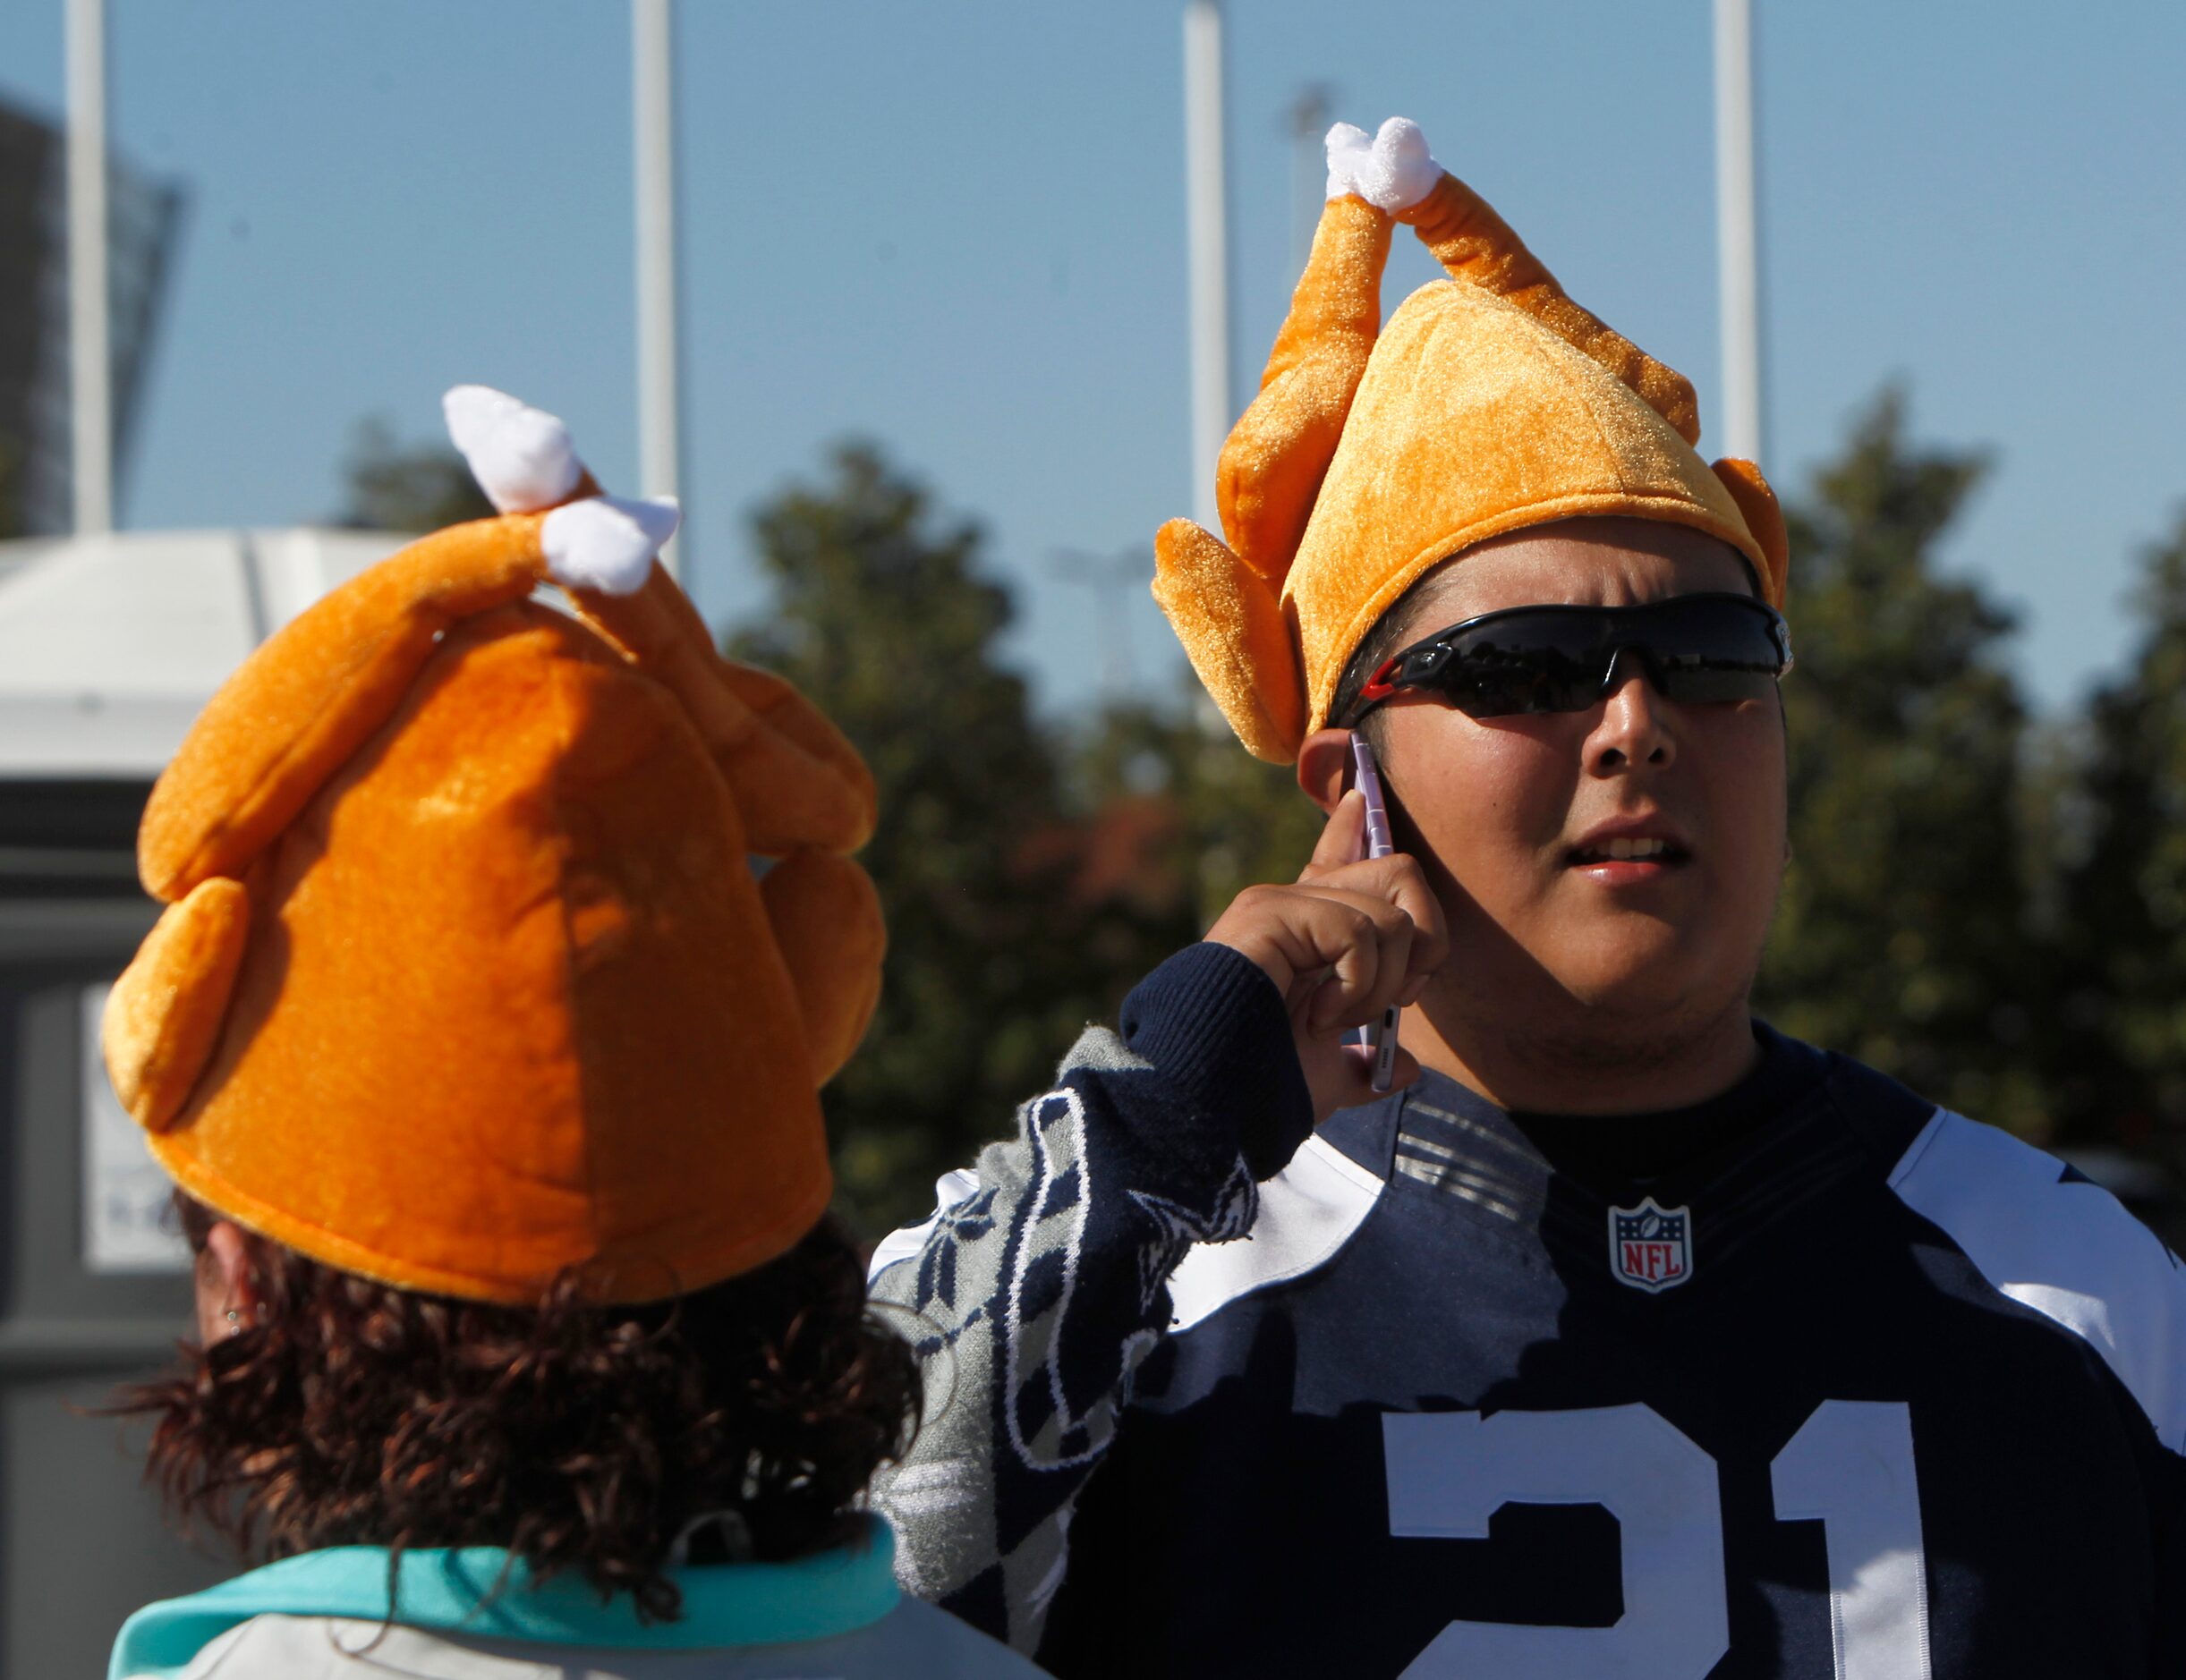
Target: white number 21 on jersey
<point x="1850" y="1466"/>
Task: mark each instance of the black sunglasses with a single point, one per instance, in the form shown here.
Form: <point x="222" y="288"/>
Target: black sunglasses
<point x="1696" y="649"/>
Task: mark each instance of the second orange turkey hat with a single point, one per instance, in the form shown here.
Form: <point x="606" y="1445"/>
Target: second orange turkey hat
<point x="467" y="978"/>
<point x="1490" y="403"/>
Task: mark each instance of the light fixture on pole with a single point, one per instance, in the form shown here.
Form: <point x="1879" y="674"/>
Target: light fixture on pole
<point x="1115" y="579"/>
<point x="1306" y="125"/>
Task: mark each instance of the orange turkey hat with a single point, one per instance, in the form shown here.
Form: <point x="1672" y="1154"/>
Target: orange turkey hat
<point x="1490" y="401"/>
<point x="466" y="978"/>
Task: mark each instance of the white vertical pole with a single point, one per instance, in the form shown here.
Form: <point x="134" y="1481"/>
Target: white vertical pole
<point x="1735" y="217"/>
<point x="1207" y="210"/>
<point x="660" y="431"/>
<point x="90" y="397"/>
<point x="1309" y="114"/>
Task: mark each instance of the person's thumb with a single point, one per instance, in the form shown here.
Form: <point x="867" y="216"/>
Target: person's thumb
<point x="1343" y="839"/>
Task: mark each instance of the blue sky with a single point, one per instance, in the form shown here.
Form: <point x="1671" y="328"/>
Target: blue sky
<point x="959" y="230"/>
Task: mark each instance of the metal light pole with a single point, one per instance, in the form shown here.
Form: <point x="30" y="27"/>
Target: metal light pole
<point x="90" y="397"/>
<point x="1735" y="219"/>
<point x="659" y="410"/>
<point x="1207" y="210"/>
<point x="1306" y="127"/>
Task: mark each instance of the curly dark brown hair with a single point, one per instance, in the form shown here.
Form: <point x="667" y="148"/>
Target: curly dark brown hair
<point x="578" y="1436"/>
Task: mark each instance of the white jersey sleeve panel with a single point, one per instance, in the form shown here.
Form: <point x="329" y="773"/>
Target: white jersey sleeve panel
<point x="951" y="1190"/>
<point x="2064" y="1247"/>
<point x="1307" y="1212"/>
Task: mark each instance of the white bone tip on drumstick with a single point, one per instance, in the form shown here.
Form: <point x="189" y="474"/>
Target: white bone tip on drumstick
<point x="1392" y="170"/>
<point x="606" y="543"/>
<point x="521" y="456"/>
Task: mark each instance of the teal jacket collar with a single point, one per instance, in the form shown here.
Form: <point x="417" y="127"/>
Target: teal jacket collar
<point x="454" y="1591"/>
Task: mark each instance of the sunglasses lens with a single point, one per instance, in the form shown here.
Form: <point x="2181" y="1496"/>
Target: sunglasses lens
<point x="1712" y="651"/>
<point x="1515" y="669"/>
<point x="1697" y="650"/>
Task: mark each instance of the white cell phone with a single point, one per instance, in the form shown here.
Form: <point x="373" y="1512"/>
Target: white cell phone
<point x="1367" y="776"/>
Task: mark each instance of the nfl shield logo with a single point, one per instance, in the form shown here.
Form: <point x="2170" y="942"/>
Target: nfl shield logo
<point x="1651" y="1247"/>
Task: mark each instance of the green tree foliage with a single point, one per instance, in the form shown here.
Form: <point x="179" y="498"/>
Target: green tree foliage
<point x="1000" y="947"/>
<point x="1904" y="936"/>
<point x="390" y="486"/>
<point x="1992" y="911"/>
<point x="1225" y="820"/>
<point x="2121" y="894"/>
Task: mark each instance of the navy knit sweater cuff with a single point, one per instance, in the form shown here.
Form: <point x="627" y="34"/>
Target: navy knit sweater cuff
<point x="1214" y="1027"/>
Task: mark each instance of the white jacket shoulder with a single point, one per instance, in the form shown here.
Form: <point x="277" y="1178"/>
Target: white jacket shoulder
<point x="2050" y="1240"/>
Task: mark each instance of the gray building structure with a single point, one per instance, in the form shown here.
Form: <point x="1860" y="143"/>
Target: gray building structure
<point x="109" y="646"/>
<point x="144" y="216"/>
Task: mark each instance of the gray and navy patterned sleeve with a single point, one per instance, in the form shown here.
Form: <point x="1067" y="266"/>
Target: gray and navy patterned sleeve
<point x="1042" y="1282"/>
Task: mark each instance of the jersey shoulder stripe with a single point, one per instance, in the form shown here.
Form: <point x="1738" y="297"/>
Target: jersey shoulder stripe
<point x="2048" y="1239"/>
<point x="1307" y="1212"/>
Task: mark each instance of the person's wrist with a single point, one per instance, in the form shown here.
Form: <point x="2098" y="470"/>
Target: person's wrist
<point x="1211" y="1021"/>
<point x="1260" y="951"/>
<point x="1243" y="928"/>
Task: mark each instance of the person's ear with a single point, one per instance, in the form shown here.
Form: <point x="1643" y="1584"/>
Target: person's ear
<point x="228" y="1299"/>
<point x="1325" y="757"/>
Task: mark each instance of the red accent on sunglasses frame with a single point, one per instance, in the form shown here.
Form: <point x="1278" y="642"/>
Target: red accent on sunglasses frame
<point x="1378" y="686"/>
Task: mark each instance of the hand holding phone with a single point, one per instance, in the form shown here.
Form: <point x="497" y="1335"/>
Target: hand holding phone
<point x="1349" y="944"/>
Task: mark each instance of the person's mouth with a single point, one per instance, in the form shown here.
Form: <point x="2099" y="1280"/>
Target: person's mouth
<point x="1630" y="850"/>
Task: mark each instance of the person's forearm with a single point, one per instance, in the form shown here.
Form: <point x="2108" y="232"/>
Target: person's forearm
<point x="1034" y="1298"/>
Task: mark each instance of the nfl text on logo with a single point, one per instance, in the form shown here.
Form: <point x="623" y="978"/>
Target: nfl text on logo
<point x="1651" y="1246"/>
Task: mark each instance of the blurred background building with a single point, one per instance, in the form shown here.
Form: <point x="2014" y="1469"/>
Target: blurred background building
<point x="110" y="644"/>
<point x="90" y="1286"/>
<point x="144" y="222"/>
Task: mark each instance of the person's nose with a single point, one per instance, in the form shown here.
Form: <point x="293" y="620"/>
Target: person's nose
<point x="1633" y="730"/>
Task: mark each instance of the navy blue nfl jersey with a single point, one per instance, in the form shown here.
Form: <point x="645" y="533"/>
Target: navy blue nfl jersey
<point x="1860" y="1389"/>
